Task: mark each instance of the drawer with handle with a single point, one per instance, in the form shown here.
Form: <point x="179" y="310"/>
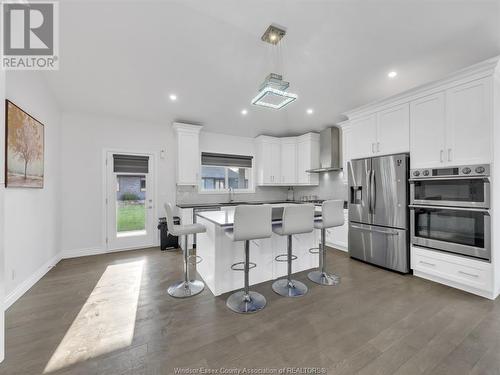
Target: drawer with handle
<point x="469" y="272"/>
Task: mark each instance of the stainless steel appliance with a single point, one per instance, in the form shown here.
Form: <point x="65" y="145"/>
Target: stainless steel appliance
<point x="449" y="210"/>
<point x="329" y="151"/>
<point x="378" y="211"/>
<point x="465" y="186"/>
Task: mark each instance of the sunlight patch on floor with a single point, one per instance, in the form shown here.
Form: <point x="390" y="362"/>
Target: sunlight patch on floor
<point x="106" y="321"/>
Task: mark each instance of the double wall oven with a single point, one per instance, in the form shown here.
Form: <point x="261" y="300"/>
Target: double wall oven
<point x="449" y="210"/>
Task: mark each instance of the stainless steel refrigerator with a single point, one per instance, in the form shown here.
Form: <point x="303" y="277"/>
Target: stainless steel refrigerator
<point x="378" y="211"/>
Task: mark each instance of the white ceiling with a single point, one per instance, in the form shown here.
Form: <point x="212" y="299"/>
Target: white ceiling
<point x="123" y="58"/>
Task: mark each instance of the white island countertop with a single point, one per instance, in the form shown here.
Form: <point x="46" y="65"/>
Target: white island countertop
<point x="226" y="218"/>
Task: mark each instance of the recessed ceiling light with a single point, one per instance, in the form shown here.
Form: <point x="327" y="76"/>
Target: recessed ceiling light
<point x="244" y="112"/>
<point x="392" y="74"/>
<point x="173" y="97"/>
<point x="310" y="111"/>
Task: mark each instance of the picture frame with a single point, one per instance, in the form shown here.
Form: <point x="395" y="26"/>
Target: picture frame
<point x="24" y="149"/>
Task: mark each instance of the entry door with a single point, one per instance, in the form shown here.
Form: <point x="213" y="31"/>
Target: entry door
<point x="129" y="201"/>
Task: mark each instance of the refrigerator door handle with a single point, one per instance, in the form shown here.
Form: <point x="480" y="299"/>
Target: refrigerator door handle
<point x="372" y="191"/>
<point x="369" y="190"/>
<point x="388" y="232"/>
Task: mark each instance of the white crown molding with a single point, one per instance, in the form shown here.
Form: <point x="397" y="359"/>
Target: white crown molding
<point x="183" y="127"/>
<point x="477" y="71"/>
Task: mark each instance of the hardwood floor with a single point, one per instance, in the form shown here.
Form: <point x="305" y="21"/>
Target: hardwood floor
<point x="109" y="314"/>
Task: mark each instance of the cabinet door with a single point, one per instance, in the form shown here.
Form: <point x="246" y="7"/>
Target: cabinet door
<point x="266" y="170"/>
<point x="469" y="123"/>
<point x="393" y="130"/>
<point x="427" y="131"/>
<point x="188" y="164"/>
<point x="288" y="161"/>
<point x="275" y="162"/>
<point x="363" y="137"/>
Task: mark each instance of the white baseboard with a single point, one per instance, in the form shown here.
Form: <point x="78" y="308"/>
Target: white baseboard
<point x="40" y="272"/>
<point x="29" y="282"/>
<point x="338" y="246"/>
<point x="66" y="254"/>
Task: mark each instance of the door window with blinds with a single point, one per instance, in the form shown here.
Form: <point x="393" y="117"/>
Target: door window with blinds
<point x="219" y="172"/>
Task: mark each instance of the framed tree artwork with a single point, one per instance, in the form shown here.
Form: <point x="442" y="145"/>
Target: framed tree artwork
<point x="24" y="148"/>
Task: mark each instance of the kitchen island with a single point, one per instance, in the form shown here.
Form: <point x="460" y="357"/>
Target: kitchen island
<point x="219" y="252"/>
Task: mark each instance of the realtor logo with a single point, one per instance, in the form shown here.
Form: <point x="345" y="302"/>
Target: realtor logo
<point x="30" y="39"/>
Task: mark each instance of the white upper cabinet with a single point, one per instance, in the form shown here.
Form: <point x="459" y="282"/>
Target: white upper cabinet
<point x="288" y="161"/>
<point x="428" y="124"/>
<point x="381" y="133"/>
<point x="284" y="161"/>
<point x="469" y="123"/>
<point x="188" y="153"/>
<point x="453" y="127"/>
<point x="307" y="158"/>
<point x="363" y="137"/>
<point x="268" y="160"/>
<point x="393" y="130"/>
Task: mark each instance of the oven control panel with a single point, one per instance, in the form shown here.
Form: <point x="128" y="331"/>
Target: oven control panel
<point x="459" y="171"/>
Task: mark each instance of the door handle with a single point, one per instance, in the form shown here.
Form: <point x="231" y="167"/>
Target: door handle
<point x="449" y="154"/>
<point x="441" y="155"/>
<point x="388" y="232"/>
<point x="468" y="274"/>
<point x="427" y="263"/>
<point x="373" y="199"/>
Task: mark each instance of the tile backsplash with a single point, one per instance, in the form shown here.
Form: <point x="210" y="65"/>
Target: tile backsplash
<point x="331" y="186"/>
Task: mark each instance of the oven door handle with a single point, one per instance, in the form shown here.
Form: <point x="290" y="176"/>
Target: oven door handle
<point x="483" y="210"/>
<point x="486" y="179"/>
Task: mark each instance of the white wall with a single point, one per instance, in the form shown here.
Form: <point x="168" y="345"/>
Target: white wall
<point x="32" y="226"/>
<point x="84" y="139"/>
<point x="229" y="144"/>
<point x="2" y="181"/>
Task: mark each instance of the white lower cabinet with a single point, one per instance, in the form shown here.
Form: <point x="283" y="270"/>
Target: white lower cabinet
<point x="468" y="274"/>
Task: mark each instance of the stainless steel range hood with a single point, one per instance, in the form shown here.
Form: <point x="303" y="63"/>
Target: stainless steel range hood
<point x="329" y="151"/>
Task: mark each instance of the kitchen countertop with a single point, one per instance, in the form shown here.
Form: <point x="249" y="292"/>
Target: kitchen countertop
<point x="226" y="218"/>
<point x="236" y="203"/>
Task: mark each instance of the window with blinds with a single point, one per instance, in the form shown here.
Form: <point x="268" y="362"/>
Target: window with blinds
<point x="220" y="172"/>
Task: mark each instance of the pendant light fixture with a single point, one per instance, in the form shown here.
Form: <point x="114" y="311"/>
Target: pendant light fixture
<point x="273" y="91"/>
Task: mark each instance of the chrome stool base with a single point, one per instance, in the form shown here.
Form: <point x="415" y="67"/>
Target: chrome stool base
<point x="184" y="289"/>
<point x="253" y="302"/>
<point x="324" y="278"/>
<point x="292" y="288"/>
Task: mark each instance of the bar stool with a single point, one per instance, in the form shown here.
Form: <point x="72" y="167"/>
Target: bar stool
<point x="332" y="213"/>
<point x="184" y="288"/>
<point x="297" y="219"/>
<point x="250" y="223"/>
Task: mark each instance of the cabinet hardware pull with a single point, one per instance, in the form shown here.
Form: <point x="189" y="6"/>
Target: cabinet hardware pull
<point x="427" y="263"/>
<point x="373" y="148"/>
<point x="468" y="274"/>
<point x="449" y="154"/>
<point x="378" y="146"/>
<point x="441" y="155"/>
